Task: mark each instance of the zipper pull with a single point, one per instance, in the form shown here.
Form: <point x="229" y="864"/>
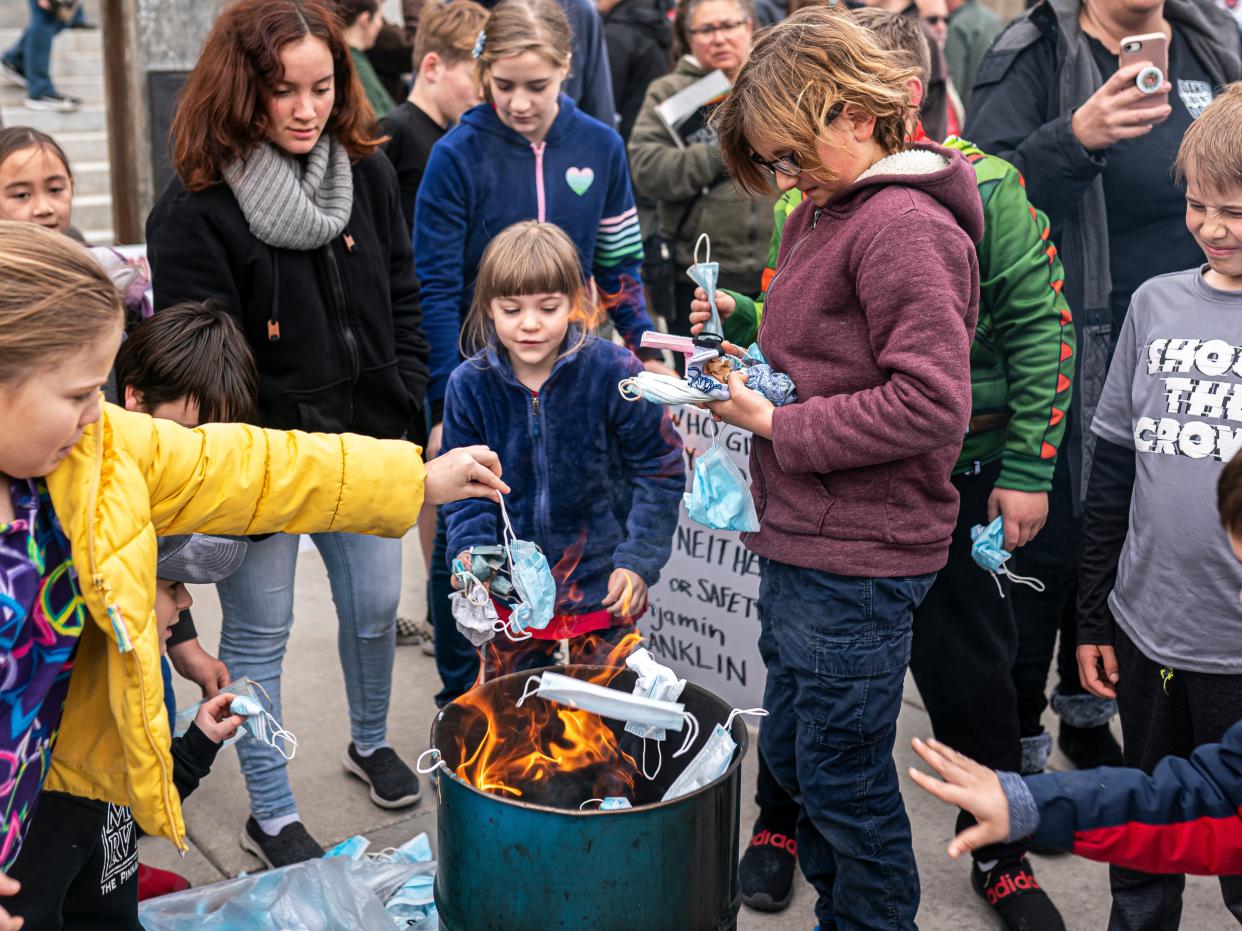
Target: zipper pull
<point x="534" y="402"/>
<point x="349" y="242"/>
<point x="123" y="642"/>
<point x="815" y="216"/>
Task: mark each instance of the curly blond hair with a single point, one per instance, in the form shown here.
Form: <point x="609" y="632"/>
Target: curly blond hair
<point x="799" y="71"/>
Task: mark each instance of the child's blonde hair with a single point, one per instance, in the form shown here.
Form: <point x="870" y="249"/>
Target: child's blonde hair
<point x="517" y="26"/>
<point x="1212" y="146"/>
<point x="799" y="70"/>
<point x="528" y="258"/>
<point x="56" y="299"/>
<point x="448" y="29"/>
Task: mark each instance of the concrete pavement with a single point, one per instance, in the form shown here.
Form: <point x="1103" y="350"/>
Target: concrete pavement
<point x="335" y="805"/>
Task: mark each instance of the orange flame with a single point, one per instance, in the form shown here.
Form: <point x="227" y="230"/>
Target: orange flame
<point x="528" y="747"/>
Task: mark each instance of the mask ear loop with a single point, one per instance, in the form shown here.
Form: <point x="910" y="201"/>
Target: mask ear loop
<point x="267" y="730"/>
<point x="526" y="692"/>
<point x="510" y="537"/>
<point x="751" y="712"/>
<point x="1033" y="582"/>
<point x="583" y="806"/>
<point x="692" y="733"/>
<point x="659" y="760"/>
<point x="698" y="242"/>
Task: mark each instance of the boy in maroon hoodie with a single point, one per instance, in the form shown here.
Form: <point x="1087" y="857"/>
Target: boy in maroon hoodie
<point x="851" y="483"/>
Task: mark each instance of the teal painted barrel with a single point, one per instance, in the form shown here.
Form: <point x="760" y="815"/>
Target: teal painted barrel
<point x="517" y="866"/>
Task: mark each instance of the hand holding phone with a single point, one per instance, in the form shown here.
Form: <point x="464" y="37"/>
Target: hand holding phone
<point x="1120" y="110"/>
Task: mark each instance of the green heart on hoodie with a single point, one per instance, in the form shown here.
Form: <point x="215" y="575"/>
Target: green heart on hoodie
<point x="579" y="179"/>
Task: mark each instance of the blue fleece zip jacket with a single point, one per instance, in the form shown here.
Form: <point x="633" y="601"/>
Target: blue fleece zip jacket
<point x="566" y="452"/>
<point x="482" y="177"/>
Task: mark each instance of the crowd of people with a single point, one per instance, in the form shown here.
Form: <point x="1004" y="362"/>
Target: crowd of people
<point x="1000" y="264"/>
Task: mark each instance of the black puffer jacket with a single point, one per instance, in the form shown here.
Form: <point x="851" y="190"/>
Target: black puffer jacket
<point x="351" y="354"/>
<point x="639" y="36"/>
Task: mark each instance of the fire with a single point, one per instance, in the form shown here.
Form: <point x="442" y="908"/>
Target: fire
<point x="525" y="750"/>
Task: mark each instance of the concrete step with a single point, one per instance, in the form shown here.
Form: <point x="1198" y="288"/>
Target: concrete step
<point x="100" y="237"/>
<point x="91" y="118"/>
<point x="80" y="147"/>
<point x="91" y="178"/>
<point x="70" y="41"/>
<point x="92" y="211"/>
<point x="87" y="88"/>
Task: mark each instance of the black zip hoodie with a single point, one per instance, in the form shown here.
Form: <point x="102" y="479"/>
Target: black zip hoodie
<point x="639" y="37"/>
<point x="336" y="331"/>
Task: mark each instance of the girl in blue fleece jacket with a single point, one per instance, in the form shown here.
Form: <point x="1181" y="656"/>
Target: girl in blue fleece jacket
<point x="527" y="153"/>
<point x="596" y="479"/>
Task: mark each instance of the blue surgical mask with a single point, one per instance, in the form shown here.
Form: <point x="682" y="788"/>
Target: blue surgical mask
<point x="611" y="803"/>
<point x="719" y="497"/>
<point x="532" y="578"/>
<point x="660" y="683"/>
<point x="988" y="551"/>
<point x="240" y="688"/>
<point x="711" y="762"/>
<point x="353" y="848"/>
<point x="706" y="275"/>
<point x="262" y="726"/>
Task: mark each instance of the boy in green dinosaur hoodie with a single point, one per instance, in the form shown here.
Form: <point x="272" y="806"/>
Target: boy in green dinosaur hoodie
<point x="965" y="632"/>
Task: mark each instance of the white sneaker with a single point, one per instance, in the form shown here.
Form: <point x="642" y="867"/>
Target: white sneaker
<point x="12" y="73"/>
<point x="55" y="102"/>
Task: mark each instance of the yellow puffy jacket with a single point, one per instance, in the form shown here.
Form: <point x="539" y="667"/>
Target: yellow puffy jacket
<point x="130" y="478"/>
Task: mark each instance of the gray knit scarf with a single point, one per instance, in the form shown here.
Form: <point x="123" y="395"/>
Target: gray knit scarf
<point x="293" y="204"/>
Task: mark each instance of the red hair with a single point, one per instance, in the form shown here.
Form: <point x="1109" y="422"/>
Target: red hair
<point x="222" y="114"/>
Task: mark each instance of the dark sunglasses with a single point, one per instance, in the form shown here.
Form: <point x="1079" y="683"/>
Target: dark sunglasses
<point x="789" y="165"/>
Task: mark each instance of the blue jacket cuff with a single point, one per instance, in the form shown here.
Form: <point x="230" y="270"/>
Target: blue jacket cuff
<point x="1023" y="812"/>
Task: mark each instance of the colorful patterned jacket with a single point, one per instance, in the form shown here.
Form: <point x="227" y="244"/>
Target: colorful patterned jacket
<point x="1022" y="359"/>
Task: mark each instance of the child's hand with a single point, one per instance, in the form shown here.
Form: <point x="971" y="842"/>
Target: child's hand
<point x="9" y="886"/>
<point x="465" y="472"/>
<point x="746" y="409"/>
<point x="1097" y="668"/>
<point x="627" y="594"/>
<point x="1025" y="513"/>
<point x="701" y="310"/>
<point x="194" y="663"/>
<point x="216" y="721"/>
<point x="971" y="787"/>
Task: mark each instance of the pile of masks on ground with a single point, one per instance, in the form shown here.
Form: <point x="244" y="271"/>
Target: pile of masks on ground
<point x="347" y="888"/>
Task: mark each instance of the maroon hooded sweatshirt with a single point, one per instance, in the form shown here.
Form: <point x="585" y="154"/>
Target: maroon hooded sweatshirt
<point x="871" y="313"/>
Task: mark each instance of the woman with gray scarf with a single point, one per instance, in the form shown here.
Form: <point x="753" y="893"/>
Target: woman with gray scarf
<point x="284" y="211"/>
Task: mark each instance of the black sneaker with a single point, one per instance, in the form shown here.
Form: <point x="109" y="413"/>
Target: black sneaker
<point x="1089" y="747"/>
<point x="12" y="72"/>
<point x="393" y="784"/>
<point x="58" y="103"/>
<point x="292" y="845"/>
<point x="767" y="870"/>
<point x="1015" y="895"/>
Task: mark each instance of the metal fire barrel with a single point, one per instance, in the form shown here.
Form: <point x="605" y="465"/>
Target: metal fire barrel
<point x="666" y="866"/>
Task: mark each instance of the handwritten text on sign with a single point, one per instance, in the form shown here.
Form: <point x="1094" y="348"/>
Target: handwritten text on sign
<point x="703" y="620"/>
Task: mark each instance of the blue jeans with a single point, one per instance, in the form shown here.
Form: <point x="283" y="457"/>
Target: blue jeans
<point x="836" y="650"/>
<point x="257" y="606"/>
<point x="457" y="661"/>
<point x="32" y="53"/>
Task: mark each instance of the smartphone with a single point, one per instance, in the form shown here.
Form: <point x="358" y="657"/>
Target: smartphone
<point x="1151" y="49"/>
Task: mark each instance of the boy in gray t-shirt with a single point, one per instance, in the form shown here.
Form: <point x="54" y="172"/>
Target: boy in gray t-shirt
<point x="1159" y="627"/>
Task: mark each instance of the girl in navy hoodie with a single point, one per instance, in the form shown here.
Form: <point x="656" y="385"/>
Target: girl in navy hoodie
<point x="525" y="154"/>
<point x="596" y="479"/>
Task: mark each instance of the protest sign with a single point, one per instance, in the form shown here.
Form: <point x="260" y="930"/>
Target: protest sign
<point x="703" y="621"/>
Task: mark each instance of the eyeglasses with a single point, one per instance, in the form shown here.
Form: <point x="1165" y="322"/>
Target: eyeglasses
<point x="789" y="165"/>
<point x="935" y="20"/>
<point x="707" y="31"/>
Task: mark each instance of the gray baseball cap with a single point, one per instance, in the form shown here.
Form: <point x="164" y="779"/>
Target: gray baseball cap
<point x="199" y="559"/>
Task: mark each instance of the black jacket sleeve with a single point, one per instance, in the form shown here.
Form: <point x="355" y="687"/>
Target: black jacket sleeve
<point x="183" y="630"/>
<point x="189" y="256"/>
<point x="1008" y="117"/>
<point x="1105" y="521"/>
<point x="192" y="753"/>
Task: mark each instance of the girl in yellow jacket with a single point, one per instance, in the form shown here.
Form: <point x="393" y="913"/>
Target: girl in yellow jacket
<point x="85" y="487"/>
